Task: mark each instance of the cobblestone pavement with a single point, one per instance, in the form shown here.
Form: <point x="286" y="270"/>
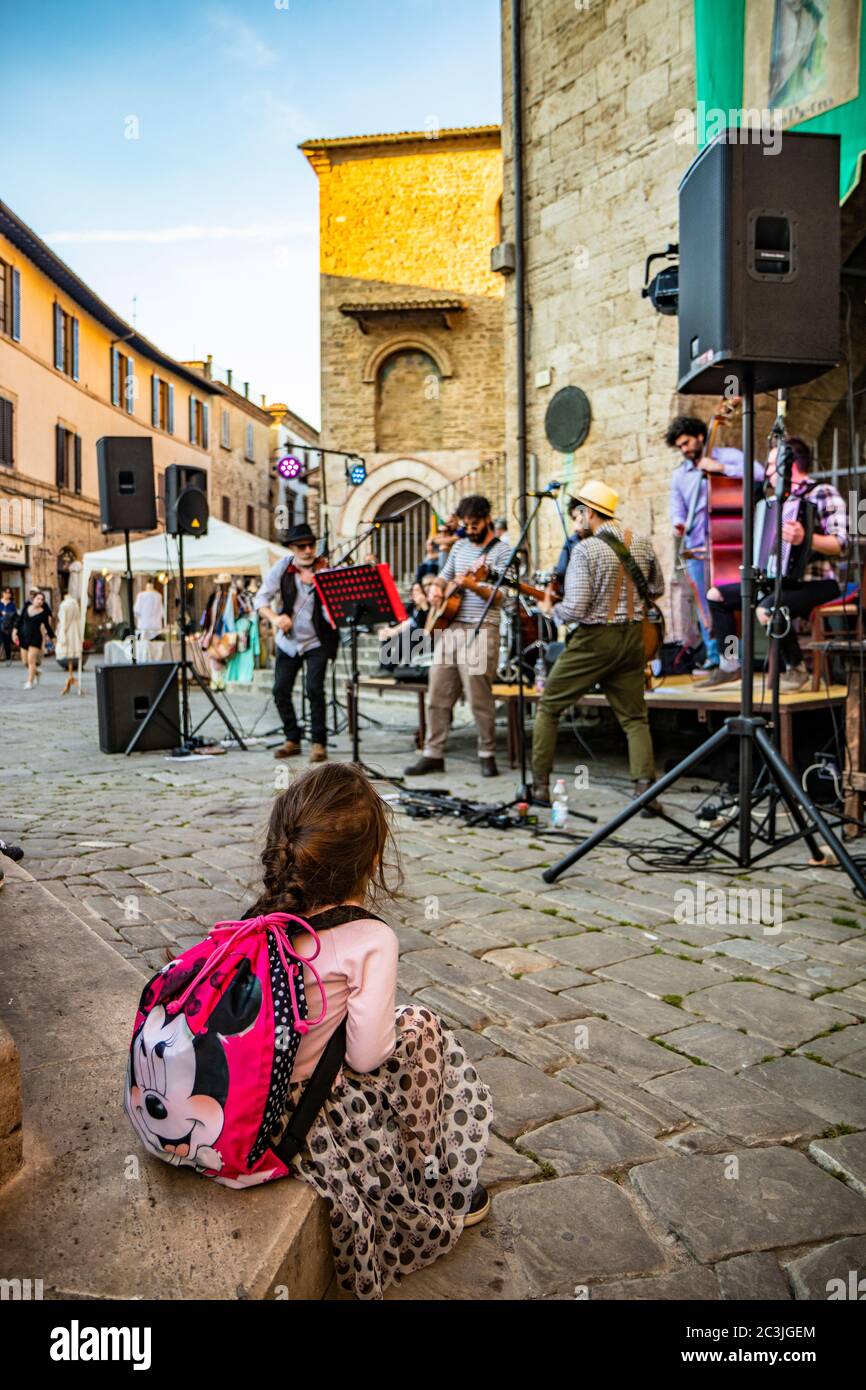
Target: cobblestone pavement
<point x="680" y="1096"/>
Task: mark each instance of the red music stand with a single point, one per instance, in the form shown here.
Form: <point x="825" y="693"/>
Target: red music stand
<point x="359" y="597"/>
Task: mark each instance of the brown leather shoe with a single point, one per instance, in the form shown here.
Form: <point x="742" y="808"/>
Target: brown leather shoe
<point x="318" y="753"/>
<point x="423" y="765"/>
<point x="654" y="808"/>
<point x="287" y="750"/>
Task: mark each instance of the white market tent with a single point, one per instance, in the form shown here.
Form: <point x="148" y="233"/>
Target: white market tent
<point x="224" y="547"/>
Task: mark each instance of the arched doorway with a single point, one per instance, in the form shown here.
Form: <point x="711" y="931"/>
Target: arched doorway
<point x="402" y="545"/>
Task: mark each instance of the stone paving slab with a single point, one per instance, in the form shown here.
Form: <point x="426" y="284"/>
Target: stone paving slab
<point x="590" y="1143"/>
<point x="752" y="1278"/>
<point x="694" y="1283"/>
<point x="725" y="1048"/>
<point x="838" y="1098"/>
<point x="633" y="1103"/>
<point x="610" y="1045"/>
<point x="784" y="1019"/>
<point x="777" y="1200"/>
<point x="523" y="1097"/>
<point x="592" y="949"/>
<point x="845" y="1157"/>
<point x="627" y="1006"/>
<point x="736" y="1107"/>
<point x="835" y="1271"/>
<point x="662" y="976"/>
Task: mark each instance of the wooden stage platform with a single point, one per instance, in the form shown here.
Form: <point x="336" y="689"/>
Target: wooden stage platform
<point x="669" y="692"/>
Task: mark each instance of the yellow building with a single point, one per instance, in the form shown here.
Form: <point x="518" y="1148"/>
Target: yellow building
<point x="411" y="314"/>
<point x="72" y="370"/>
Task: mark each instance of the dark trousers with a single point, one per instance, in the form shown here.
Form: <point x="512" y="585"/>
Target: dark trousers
<point x="799" y="599"/>
<point x="287" y="668"/>
<point x="6" y="644"/>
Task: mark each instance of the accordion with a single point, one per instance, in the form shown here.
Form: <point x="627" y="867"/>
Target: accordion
<point x="794" y="557"/>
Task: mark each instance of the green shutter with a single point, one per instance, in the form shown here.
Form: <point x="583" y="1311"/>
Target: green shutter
<point x="75" y="349"/>
<point x="58" y="337"/>
<point x="77" y="439"/>
<point x="192" y="419"/>
<point x="115" y="377"/>
<point x="205" y="424"/>
<point x="170" y="425"/>
<point x="60" y="455"/>
<point x="154" y="401"/>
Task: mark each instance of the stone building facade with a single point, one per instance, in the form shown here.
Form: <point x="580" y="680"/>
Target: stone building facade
<point x="411" y="314"/>
<point x="606" y="85"/>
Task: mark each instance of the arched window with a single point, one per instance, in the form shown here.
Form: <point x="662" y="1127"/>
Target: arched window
<point x="408" y="402"/>
<point x="402" y="546"/>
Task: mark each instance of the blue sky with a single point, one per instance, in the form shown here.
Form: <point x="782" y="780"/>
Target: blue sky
<point x="210" y="216"/>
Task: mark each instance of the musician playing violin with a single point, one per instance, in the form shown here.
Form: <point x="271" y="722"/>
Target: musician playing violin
<point x="465" y="661"/>
<point x="689" y="513"/>
<point x="305" y="640"/>
<point x="818" y="585"/>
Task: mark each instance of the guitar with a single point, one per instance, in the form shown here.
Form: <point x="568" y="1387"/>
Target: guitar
<point x="444" y="614"/>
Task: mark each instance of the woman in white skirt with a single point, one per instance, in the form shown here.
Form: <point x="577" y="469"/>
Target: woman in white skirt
<point x="398" y="1145"/>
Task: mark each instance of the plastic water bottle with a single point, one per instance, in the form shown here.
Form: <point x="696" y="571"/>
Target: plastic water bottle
<point x="540" y="674"/>
<point x="559" y="804"/>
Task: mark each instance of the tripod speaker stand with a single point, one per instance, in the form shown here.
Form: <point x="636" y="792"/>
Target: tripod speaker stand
<point x="189" y="739"/>
<point x="749" y="731"/>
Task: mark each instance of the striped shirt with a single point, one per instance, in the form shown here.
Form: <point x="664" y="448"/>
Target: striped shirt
<point x="593" y="574"/>
<point x="464" y="556"/>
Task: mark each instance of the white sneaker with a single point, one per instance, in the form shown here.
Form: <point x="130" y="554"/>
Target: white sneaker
<point x="28" y="685"/>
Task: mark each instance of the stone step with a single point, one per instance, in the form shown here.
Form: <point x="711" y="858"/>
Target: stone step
<point x="89" y="1212"/>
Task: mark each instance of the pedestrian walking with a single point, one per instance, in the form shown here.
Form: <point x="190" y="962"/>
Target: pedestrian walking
<point x="31" y="627"/>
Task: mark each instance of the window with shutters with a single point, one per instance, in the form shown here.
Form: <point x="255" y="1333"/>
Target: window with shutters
<point x="7" y="429"/>
<point x="226" y="509"/>
<point x="198" y="415"/>
<point x="226" y="429"/>
<point x="67" y="459"/>
<point x="249" y="450"/>
<point x="127" y="384"/>
<point x="251" y="518"/>
<point x="162" y="394"/>
<point x="65" y="342"/>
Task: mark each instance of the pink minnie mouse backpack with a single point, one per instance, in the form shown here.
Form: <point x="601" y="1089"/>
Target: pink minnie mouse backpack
<point x="214" y="1042"/>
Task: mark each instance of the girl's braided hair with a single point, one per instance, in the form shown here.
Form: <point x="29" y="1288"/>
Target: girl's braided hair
<point x="327" y="841"/>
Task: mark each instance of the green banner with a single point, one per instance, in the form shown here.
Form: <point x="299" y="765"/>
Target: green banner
<point x="801" y="62"/>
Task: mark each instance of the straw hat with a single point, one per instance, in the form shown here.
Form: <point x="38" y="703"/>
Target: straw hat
<point x="599" y="496"/>
<point x="223" y="578"/>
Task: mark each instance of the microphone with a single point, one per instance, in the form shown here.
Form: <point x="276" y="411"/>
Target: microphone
<point x="552" y="487"/>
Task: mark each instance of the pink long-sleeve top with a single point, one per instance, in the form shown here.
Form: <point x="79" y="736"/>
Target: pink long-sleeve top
<point x="358" y="967"/>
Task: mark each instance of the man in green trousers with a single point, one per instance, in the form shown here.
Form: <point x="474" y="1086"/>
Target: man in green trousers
<point x="606" y="647"/>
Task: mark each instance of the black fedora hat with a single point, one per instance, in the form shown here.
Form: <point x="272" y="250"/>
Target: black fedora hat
<point x="295" y="534"/>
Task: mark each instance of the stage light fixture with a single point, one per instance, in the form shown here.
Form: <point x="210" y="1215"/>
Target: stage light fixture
<point x="290" y="466"/>
<point x="356" y="472"/>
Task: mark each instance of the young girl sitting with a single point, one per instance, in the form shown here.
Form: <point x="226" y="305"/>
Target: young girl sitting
<point x="397" y="1147"/>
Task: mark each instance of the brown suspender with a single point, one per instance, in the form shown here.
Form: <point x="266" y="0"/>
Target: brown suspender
<point x="623" y="579"/>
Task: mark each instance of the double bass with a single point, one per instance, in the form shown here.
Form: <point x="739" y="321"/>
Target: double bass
<point x="724" y="547"/>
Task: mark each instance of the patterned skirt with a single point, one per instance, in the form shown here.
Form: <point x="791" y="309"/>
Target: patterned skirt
<point x="396" y="1155"/>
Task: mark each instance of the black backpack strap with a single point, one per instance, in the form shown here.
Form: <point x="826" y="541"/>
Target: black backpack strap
<point x="318" y="1088"/>
<point x="629" y="564"/>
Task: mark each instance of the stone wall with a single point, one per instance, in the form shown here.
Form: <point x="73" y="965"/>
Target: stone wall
<point x="408" y="221"/>
<point x="606" y="83"/>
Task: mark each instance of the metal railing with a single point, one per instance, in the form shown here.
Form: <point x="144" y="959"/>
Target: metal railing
<point x="403" y="547"/>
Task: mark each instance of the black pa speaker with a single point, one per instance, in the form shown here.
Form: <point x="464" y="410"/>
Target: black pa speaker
<point x="759" y="264"/>
<point x="125" y="695"/>
<point x="127" y="498"/>
<point x="186" y="508"/>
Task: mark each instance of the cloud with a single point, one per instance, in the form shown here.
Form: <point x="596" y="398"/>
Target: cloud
<point x="240" y="42"/>
<point x="256" y="231"/>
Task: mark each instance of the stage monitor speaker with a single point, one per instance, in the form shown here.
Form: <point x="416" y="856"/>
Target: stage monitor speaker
<point x="759" y="264"/>
<point x="186" y="508"/>
<point x="124" y="696"/>
<point x="127" y="498"/>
